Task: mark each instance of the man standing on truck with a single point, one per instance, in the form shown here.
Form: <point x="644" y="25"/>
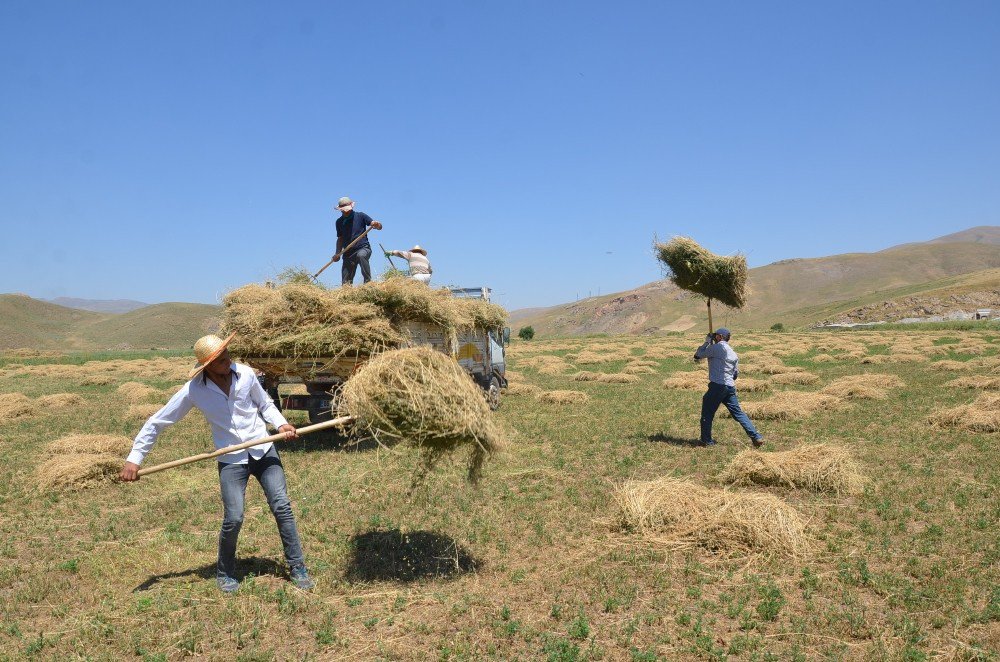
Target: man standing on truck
<point x="351" y="225"/>
<point x="416" y="258"/>
<point x="723" y="370"/>
<point x="233" y="402"/>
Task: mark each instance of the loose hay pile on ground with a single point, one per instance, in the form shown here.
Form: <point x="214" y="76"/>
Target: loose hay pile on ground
<point x="787" y="405"/>
<point x="818" y="467"/>
<point x="605" y="377"/>
<point x="606" y="356"/>
<point x="16" y="405"/>
<point x="80" y="470"/>
<point x="98" y="444"/>
<point x="863" y="387"/>
<point x="638" y="370"/>
<point x="984" y="383"/>
<point x="137" y="392"/>
<point x="689" y="381"/>
<point x="141" y="412"/>
<point x="948" y="365"/>
<point x="61" y="401"/>
<point x="563" y="397"/>
<point x="681" y="513"/>
<point x="547" y="365"/>
<point x="519" y="388"/>
<point x="422" y="397"/>
<point x="794" y="378"/>
<point x="983" y="415"/>
<point x="750" y="385"/>
<point x="695" y="269"/>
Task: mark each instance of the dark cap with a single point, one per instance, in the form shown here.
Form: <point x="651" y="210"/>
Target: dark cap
<point x="724" y="332"/>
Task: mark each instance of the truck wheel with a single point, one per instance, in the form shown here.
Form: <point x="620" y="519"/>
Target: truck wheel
<point x="320" y="415"/>
<point x="493" y="394"/>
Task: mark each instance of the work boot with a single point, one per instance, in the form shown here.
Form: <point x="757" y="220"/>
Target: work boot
<point x="301" y="579"/>
<point x="757" y="441"/>
<point x="227" y="584"/>
<point x="710" y="442"/>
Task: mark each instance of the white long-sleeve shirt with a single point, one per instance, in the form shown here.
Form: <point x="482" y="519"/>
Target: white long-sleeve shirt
<point x="234" y="419"/>
<point x="418" y="263"/>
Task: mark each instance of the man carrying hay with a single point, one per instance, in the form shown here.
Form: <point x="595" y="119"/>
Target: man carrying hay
<point x="350" y="226"/>
<point x="233" y="402"/>
<point x="416" y="258"/>
<point x="723" y="370"/>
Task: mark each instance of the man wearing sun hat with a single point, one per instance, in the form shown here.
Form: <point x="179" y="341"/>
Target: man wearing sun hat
<point x="416" y="258"/>
<point x="350" y="226"/>
<point x="723" y="370"/>
<point x="233" y="402"/>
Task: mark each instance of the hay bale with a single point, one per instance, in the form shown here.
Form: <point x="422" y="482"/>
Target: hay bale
<point x="983" y="415"/>
<point x="863" y="387"/>
<point x="137" y="392"/>
<point x="423" y="397"/>
<point x="785" y="405"/>
<point x="795" y="378"/>
<point x="681" y="513"/>
<point x="695" y="269"/>
<point x="78" y="471"/>
<point x="518" y="388"/>
<point x="14" y="406"/>
<point x="94" y="444"/>
<point x="818" y="467"/>
<point x="563" y="397"/>
<point x="61" y="401"/>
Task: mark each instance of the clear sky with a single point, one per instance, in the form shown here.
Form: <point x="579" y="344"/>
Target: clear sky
<point x="170" y="151"/>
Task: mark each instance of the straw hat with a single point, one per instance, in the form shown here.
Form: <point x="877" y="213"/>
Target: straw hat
<point x="418" y="249"/>
<point x="207" y="349"/>
<point x="344" y="202"/>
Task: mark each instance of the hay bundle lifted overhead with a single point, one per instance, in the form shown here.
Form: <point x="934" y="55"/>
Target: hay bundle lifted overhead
<point x="423" y="397"/>
<point x="697" y="270"/>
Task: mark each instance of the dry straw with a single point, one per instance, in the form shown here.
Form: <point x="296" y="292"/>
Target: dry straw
<point x="61" y="401"/>
<point x="818" y="467"/>
<point x="79" y="470"/>
<point x="681" y="513"/>
<point x="605" y="377"/>
<point x="633" y="369"/>
<point x="563" y="397"/>
<point x="518" y="388"/>
<point x="423" y="397"/>
<point x="142" y="411"/>
<point x="95" y="444"/>
<point x="688" y="381"/>
<point x="795" y="378"/>
<point x="137" y="392"/>
<point x="983" y="415"/>
<point x="863" y="387"/>
<point x="787" y="405"/>
<point x="695" y="269"/>
<point x="950" y="366"/>
<point x="16" y="405"/>
<point x="978" y="382"/>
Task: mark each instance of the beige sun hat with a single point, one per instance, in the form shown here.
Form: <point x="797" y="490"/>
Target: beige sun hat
<point x="344" y="202"/>
<point x="207" y="349"/>
<point x="418" y="249"/>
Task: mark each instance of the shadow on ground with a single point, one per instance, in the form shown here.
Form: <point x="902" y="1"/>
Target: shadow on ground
<point x="329" y="440"/>
<point x="661" y="438"/>
<point x="245" y="567"/>
<point x="406" y="557"/>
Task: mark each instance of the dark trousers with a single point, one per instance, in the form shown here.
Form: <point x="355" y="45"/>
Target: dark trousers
<point x="358" y="258"/>
<point x="233" y="480"/>
<point x="720" y="394"/>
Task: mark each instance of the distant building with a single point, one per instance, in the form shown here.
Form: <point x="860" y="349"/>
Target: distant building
<point x="984" y="313"/>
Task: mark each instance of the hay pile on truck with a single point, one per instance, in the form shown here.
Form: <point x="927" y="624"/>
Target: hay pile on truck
<point x="308" y="334"/>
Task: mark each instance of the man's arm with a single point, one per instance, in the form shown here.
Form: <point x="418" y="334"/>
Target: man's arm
<point x="371" y="221"/>
<point x="176" y="408"/>
<point x="708" y="350"/>
<point x="270" y="412"/>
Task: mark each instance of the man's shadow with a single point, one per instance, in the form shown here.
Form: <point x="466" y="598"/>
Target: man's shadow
<point x="406" y="557"/>
<point x="245" y="567"/>
<point x="662" y="438"/>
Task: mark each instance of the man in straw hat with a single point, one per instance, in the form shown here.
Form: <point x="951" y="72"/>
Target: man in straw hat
<point x="350" y="226"/>
<point x="416" y="258"/>
<point x="233" y="402"/>
<point x="723" y="370"/>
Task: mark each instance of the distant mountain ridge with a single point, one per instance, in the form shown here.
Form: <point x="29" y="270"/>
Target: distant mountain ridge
<point x="113" y="306"/>
<point x="795" y="292"/>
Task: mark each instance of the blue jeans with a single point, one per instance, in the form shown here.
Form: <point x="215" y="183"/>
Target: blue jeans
<point x="720" y="394"/>
<point x="233" y="483"/>
<point x="351" y="263"/>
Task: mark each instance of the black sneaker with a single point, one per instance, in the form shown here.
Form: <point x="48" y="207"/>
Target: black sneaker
<point x="757" y="441"/>
<point x="710" y="442"/>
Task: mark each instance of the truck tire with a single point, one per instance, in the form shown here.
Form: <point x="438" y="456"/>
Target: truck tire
<point x="493" y="393"/>
<point x="320" y="415"/>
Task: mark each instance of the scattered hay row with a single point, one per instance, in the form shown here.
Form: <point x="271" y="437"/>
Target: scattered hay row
<point x="563" y="397"/>
<point x="605" y="377"/>
<point x="983" y="415"/>
<point x="863" y="387"/>
<point x="982" y="382"/>
<point x="786" y="405"/>
<point x="14" y="406"/>
<point x="681" y="513"/>
<point x="689" y="381"/>
<point x="795" y="378"/>
<point x="518" y="388"/>
<point x="818" y="467"/>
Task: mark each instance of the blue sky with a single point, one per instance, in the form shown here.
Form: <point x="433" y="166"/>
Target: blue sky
<point x="173" y="151"/>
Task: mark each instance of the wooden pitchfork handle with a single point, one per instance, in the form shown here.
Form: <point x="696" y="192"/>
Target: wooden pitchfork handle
<point x="346" y="248"/>
<point x="238" y="447"/>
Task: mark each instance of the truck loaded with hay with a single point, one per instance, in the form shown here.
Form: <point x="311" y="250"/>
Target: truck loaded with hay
<point x="304" y="333"/>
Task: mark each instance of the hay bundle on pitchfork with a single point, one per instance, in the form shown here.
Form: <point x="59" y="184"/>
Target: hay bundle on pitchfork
<point x="692" y="268"/>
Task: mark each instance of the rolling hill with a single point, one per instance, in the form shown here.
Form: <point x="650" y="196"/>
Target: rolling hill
<point x="35" y="324"/>
<point x="796" y="292"/>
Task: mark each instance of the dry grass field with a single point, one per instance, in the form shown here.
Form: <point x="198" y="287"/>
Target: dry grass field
<point x="541" y="560"/>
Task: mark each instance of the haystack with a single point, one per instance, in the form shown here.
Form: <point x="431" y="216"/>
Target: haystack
<point x="423" y="397"/>
<point x="983" y="415"/>
<point x="61" y="401"/>
<point x="681" y="513"/>
<point x="863" y="387"/>
<point x="563" y="397"/>
<point x="94" y="444"/>
<point x="787" y="405"/>
<point x="80" y="470"/>
<point x="16" y="405"/>
<point x="819" y="467"/>
<point x="696" y="380"/>
<point x="695" y="269"/>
